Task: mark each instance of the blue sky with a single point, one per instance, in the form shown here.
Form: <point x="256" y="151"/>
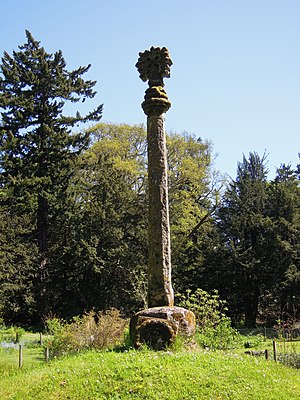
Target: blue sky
<point x="235" y="78"/>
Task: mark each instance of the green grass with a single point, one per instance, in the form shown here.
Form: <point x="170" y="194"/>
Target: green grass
<point x="33" y="354"/>
<point x="177" y="374"/>
<point x="154" y="375"/>
<point x="9" y="359"/>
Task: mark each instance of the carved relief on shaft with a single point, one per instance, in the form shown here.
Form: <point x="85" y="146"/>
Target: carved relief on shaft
<point x="154" y="65"/>
<point x="160" y="290"/>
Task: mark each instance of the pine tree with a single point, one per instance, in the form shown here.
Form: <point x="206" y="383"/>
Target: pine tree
<point x="247" y="233"/>
<point x="284" y="205"/>
<point x="37" y="148"/>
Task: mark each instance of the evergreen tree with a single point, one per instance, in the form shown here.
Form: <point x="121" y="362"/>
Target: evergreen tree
<point x="38" y="150"/>
<point x="18" y="267"/>
<point x="255" y="258"/>
<point x="247" y="233"/>
<point x="284" y="209"/>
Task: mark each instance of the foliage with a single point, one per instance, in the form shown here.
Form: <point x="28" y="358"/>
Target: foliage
<point x="221" y="337"/>
<point x="103" y="260"/>
<point x="18" y="267"/>
<point x="193" y="193"/>
<point x="54" y="325"/>
<point x="91" y="331"/>
<point x="254" y="341"/>
<point x="214" y="329"/>
<point x="38" y="155"/>
<point x="247" y="231"/>
<point x="251" y="254"/>
<point x="7" y="334"/>
<point x="291" y="359"/>
<point x="284" y="209"/>
<point x="208" y="308"/>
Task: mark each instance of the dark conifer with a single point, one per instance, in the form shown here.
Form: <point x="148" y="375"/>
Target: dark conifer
<point x="37" y="147"/>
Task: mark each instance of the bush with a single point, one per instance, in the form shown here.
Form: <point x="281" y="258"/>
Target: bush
<point x="290" y="359"/>
<point x="92" y="331"/>
<point x="214" y="329"/>
<point x="11" y="334"/>
<point x="220" y="337"/>
<point x="254" y="341"/>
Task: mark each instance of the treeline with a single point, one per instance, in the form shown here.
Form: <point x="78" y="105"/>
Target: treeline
<point x="73" y="209"/>
<point x="249" y="248"/>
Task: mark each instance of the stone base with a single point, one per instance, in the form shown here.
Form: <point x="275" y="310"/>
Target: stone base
<point x="158" y="327"/>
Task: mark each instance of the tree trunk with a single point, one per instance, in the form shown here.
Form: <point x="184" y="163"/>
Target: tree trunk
<point x="42" y="231"/>
<point x="251" y="301"/>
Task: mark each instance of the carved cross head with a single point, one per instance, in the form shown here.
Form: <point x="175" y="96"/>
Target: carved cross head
<point x="154" y="65"/>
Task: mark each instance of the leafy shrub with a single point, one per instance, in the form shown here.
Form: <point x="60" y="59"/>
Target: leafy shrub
<point x="19" y="332"/>
<point x="208" y="308"/>
<point x="11" y="334"/>
<point x="254" y="341"/>
<point x="214" y="329"/>
<point x="92" y="330"/>
<point x="290" y="359"/>
<point x="54" y="325"/>
<point x="7" y="334"/>
<point x="221" y="336"/>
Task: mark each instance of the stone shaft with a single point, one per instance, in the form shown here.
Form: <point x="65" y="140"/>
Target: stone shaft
<point x="160" y="292"/>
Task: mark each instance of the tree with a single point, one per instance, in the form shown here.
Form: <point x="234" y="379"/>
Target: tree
<point x="193" y="193"/>
<point x="38" y="150"/>
<point x="103" y="260"/>
<point x="255" y="258"/>
<point x="246" y="234"/>
<point x="97" y="253"/>
<point x="284" y="209"/>
<point x="18" y="262"/>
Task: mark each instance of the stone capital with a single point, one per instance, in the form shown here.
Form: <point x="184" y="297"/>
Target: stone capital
<point x="156" y="101"/>
<point x="154" y="65"/>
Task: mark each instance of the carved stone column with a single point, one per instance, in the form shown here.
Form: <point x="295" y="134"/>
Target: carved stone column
<point x="153" y="66"/>
<point x="159" y="325"/>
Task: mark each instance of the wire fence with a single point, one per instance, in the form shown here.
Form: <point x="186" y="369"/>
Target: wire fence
<point x="272" y="333"/>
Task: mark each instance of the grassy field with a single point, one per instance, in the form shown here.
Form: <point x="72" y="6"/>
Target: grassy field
<point x="33" y="354"/>
<point x="129" y="374"/>
<point x="153" y="375"/>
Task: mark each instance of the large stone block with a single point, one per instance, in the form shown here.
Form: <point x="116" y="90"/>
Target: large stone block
<point x="158" y="327"/>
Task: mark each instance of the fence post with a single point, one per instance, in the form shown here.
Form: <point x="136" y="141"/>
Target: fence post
<point x="46" y="354"/>
<point x="20" y="356"/>
<point x="274" y="350"/>
<point x="267" y="354"/>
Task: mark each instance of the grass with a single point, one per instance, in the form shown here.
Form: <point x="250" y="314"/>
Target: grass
<point x="152" y="375"/>
<point x="178" y="374"/>
<point x="32" y="354"/>
<point x="9" y="359"/>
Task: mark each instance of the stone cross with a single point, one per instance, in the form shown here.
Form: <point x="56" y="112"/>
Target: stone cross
<point x="154" y="65"/>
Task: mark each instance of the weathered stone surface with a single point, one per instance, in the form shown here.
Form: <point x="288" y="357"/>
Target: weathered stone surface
<point x="156" y="101"/>
<point x="158" y="326"/>
<point x="160" y="291"/>
<point x="154" y="65"/>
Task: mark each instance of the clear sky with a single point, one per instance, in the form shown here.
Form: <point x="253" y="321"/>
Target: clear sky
<point x="236" y="74"/>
